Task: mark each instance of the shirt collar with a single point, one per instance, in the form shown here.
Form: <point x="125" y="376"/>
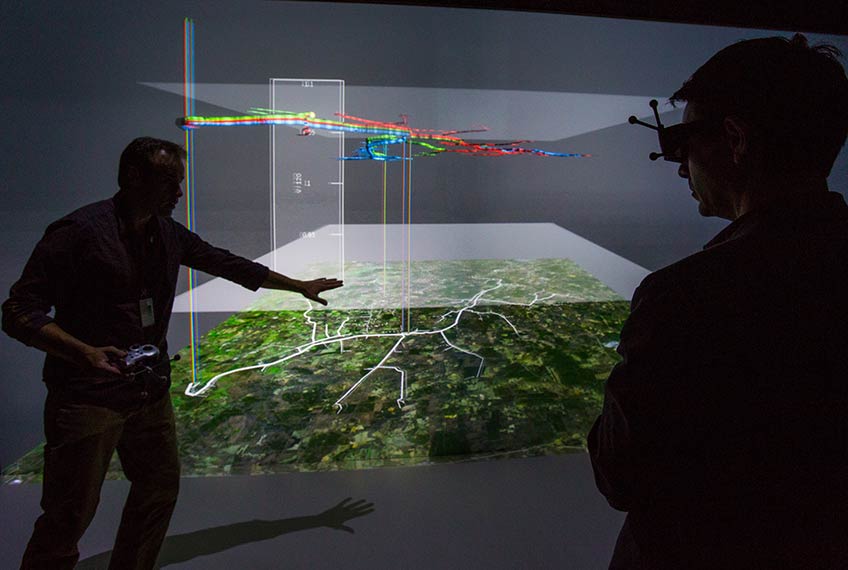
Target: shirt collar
<point x="801" y="209"/>
<point x="122" y="213"/>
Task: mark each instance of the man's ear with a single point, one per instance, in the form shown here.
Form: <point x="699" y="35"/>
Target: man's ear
<point x="737" y="132"/>
<point x="133" y="176"/>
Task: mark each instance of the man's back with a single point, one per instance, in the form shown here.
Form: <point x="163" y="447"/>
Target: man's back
<point x="724" y="428"/>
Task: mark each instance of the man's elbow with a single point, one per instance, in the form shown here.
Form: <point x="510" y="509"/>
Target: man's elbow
<point x="7" y="321"/>
<point x="19" y="324"/>
<point x="613" y="479"/>
<point x="620" y="501"/>
<point x="616" y="489"/>
<point x="13" y="330"/>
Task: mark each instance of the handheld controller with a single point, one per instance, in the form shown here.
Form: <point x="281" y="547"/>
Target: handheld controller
<point x="140" y="354"/>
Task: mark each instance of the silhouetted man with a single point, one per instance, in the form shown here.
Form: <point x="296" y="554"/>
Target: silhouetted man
<point x="723" y="433"/>
<point x="110" y="270"/>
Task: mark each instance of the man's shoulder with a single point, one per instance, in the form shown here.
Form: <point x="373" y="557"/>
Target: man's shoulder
<point x="691" y="272"/>
<point x="701" y="283"/>
<point x="749" y="272"/>
<point x="84" y="217"/>
<point x="171" y="227"/>
<point x="89" y="212"/>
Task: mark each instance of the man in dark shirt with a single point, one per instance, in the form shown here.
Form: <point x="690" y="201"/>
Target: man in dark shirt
<point x="110" y="271"/>
<point x="724" y="432"/>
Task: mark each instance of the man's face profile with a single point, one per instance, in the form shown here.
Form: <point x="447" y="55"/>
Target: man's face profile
<point x="166" y="189"/>
<point x="705" y="165"/>
<point x="160" y="184"/>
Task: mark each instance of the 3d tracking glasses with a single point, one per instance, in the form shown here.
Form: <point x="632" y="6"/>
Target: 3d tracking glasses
<point x="674" y="140"/>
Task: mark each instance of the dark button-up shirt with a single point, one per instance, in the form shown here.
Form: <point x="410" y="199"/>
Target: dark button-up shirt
<point x="94" y="273"/>
<point x="724" y="431"/>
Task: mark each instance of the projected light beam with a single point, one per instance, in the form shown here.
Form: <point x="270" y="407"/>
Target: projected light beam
<point x="191" y="223"/>
<point x="379" y="135"/>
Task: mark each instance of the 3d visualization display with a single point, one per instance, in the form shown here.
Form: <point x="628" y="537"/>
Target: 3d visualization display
<point x="502" y="358"/>
<point x="380" y="135"/>
<point x="450" y="341"/>
<point x="417" y="359"/>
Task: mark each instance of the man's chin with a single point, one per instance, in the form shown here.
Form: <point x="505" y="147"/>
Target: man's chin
<point x="706" y="211"/>
<point x="703" y="209"/>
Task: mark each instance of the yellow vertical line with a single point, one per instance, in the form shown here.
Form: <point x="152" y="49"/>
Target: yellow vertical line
<point x="409" y="241"/>
<point x="188" y="108"/>
<point x="188" y="183"/>
<point x="402" y="249"/>
<point x="385" y="167"/>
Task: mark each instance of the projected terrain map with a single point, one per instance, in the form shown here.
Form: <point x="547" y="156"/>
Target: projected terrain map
<point x="503" y="358"/>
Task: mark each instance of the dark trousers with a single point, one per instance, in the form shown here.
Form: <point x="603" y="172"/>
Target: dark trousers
<point x="81" y="439"/>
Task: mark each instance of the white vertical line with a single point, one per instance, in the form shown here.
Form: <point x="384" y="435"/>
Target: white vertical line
<point x="341" y="177"/>
<point x="272" y="95"/>
<point x="409" y="243"/>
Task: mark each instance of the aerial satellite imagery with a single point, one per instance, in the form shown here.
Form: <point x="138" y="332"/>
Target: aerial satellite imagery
<point x="496" y="358"/>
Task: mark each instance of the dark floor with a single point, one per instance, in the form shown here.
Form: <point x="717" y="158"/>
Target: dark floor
<point x="539" y="512"/>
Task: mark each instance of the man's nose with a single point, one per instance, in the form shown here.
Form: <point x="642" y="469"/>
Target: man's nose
<point x="683" y="170"/>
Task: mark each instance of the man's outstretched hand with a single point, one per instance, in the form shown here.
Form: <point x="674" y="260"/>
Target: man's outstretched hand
<point x="335" y="517"/>
<point x="311" y="289"/>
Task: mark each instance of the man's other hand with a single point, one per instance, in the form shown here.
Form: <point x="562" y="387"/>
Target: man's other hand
<point x="313" y="288"/>
<point x="104" y="358"/>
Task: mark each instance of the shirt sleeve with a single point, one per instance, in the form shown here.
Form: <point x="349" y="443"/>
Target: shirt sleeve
<point x="631" y="443"/>
<point x="44" y="281"/>
<point x="205" y="257"/>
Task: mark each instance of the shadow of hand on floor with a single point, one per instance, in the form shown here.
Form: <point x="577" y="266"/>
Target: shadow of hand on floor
<point x="184" y="547"/>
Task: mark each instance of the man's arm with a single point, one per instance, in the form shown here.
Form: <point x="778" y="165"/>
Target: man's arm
<point x="26" y="311"/>
<point x="631" y="442"/>
<point x="54" y="341"/>
<point x="201" y="255"/>
<point x="49" y="267"/>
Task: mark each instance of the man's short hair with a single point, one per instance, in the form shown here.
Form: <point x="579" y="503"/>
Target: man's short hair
<point x="796" y="95"/>
<point x="147" y="155"/>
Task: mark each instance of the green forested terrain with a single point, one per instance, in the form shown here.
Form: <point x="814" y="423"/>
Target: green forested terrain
<point x="539" y="390"/>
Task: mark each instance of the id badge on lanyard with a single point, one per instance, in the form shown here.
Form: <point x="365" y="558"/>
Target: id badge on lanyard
<point x="145" y="303"/>
<point x="145" y="307"/>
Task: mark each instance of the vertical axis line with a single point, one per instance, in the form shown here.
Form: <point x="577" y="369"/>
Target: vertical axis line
<point x="409" y="241"/>
<point x="195" y="327"/>
<point x="192" y="274"/>
<point x="192" y="83"/>
<point x="188" y="109"/>
<point x="341" y="180"/>
<point x="273" y="146"/>
<point x="185" y="71"/>
<point x="403" y="237"/>
<point x="385" y="169"/>
<point x="339" y="207"/>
